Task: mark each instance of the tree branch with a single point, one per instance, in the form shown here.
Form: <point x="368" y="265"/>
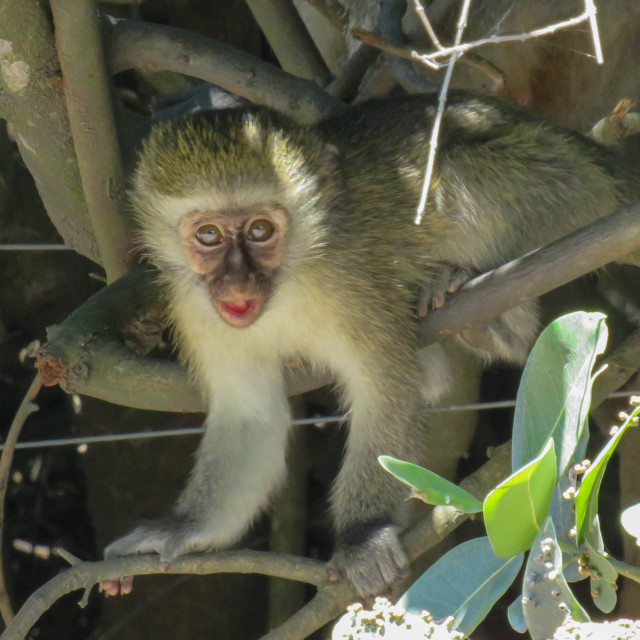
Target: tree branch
<point x="85" y="574"/>
<point x="95" y="351"/>
<point x="345" y="86"/>
<point x="31" y="99"/>
<point x="90" y="110"/>
<point x="26" y="408"/>
<point x="332" y="10"/>
<point x="87" y="354"/>
<point x="331" y="599"/>
<point x="288" y="36"/>
<point x="486" y="297"/>
<point x="152" y="47"/>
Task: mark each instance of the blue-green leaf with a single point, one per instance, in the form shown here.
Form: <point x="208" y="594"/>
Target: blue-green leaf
<point x="603" y="579"/>
<point x="547" y="597"/>
<point x="515" y="615"/>
<point x="465" y="583"/>
<point x="555" y="391"/>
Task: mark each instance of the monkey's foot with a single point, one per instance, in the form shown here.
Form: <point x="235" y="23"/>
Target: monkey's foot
<point x="169" y="538"/>
<point x="433" y="292"/>
<point x="374" y="565"/>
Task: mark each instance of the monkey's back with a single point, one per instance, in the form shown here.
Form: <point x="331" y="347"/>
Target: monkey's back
<point x="506" y="181"/>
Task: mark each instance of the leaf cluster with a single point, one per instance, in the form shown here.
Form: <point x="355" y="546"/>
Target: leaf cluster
<point x="543" y="518"/>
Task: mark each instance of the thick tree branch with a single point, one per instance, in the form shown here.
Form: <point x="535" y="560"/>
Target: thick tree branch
<point x="90" y="109"/>
<point x="152" y="47"/>
<point x="84" y="575"/>
<point x="32" y="101"/>
<point x="288" y="36"/>
<point x="345" y="86"/>
<point x="332" y="10"/>
<point x="86" y="353"/>
<point x="486" y="297"/>
<point x="331" y="599"/>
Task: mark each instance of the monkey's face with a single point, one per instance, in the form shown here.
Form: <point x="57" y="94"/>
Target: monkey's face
<point x="237" y="252"/>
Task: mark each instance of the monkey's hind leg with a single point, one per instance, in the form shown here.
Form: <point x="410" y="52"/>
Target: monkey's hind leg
<point x="366" y="499"/>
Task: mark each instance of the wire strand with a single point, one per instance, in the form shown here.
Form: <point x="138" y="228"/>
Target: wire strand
<point x="315" y="420"/>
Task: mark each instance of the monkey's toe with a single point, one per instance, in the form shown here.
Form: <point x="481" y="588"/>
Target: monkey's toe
<point x="433" y="292"/>
<point x="374" y="565"/>
<point x="121" y="587"/>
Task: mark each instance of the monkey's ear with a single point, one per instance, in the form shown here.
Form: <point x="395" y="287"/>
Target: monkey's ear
<point x="330" y="156"/>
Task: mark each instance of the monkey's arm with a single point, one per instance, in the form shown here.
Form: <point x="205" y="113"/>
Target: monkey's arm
<point x="240" y="462"/>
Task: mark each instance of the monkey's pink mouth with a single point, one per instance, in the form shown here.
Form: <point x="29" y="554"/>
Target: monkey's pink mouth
<point x="238" y="309"/>
<point x="241" y="312"/>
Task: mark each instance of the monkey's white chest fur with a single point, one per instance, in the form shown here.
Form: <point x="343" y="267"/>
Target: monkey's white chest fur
<point x="296" y="324"/>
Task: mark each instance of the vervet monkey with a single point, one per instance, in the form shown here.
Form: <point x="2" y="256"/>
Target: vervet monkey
<point x="279" y="241"/>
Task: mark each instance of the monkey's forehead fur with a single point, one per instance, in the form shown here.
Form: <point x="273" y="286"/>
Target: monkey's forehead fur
<point x="231" y="149"/>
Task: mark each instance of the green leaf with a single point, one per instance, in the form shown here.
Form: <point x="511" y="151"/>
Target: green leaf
<point x="516" y="508"/>
<point x="547" y="597"/>
<point x="465" y="583"/>
<point x="555" y="391"/>
<point x="587" y="498"/>
<point x="429" y="486"/>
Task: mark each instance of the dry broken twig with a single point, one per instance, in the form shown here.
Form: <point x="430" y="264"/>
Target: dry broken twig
<point x="458" y="49"/>
<point x="619" y="124"/>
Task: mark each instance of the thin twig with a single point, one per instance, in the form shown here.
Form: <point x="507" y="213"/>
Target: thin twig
<point x="26" y="408"/>
<point x="624" y="569"/>
<point x="520" y="37"/>
<point x="409" y="52"/>
<point x="590" y="9"/>
<point x="437" y="122"/>
<point x="424" y="19"/>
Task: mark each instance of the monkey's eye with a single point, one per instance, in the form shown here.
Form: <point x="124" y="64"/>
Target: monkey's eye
<point x="209" y="235"/>
<point x="260" y="230"/>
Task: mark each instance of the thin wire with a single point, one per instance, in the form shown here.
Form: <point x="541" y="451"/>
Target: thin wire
<point x="35" y="247"/>
<point x="316" y="420"/>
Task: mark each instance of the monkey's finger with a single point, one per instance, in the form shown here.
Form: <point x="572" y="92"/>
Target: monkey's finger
<point x="113" y="587"/>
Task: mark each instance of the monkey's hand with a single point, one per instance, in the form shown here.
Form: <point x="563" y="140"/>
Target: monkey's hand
<point x="373" y="564"/>
<point x="433" y="292"/>
<point x="169" y="537"/>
